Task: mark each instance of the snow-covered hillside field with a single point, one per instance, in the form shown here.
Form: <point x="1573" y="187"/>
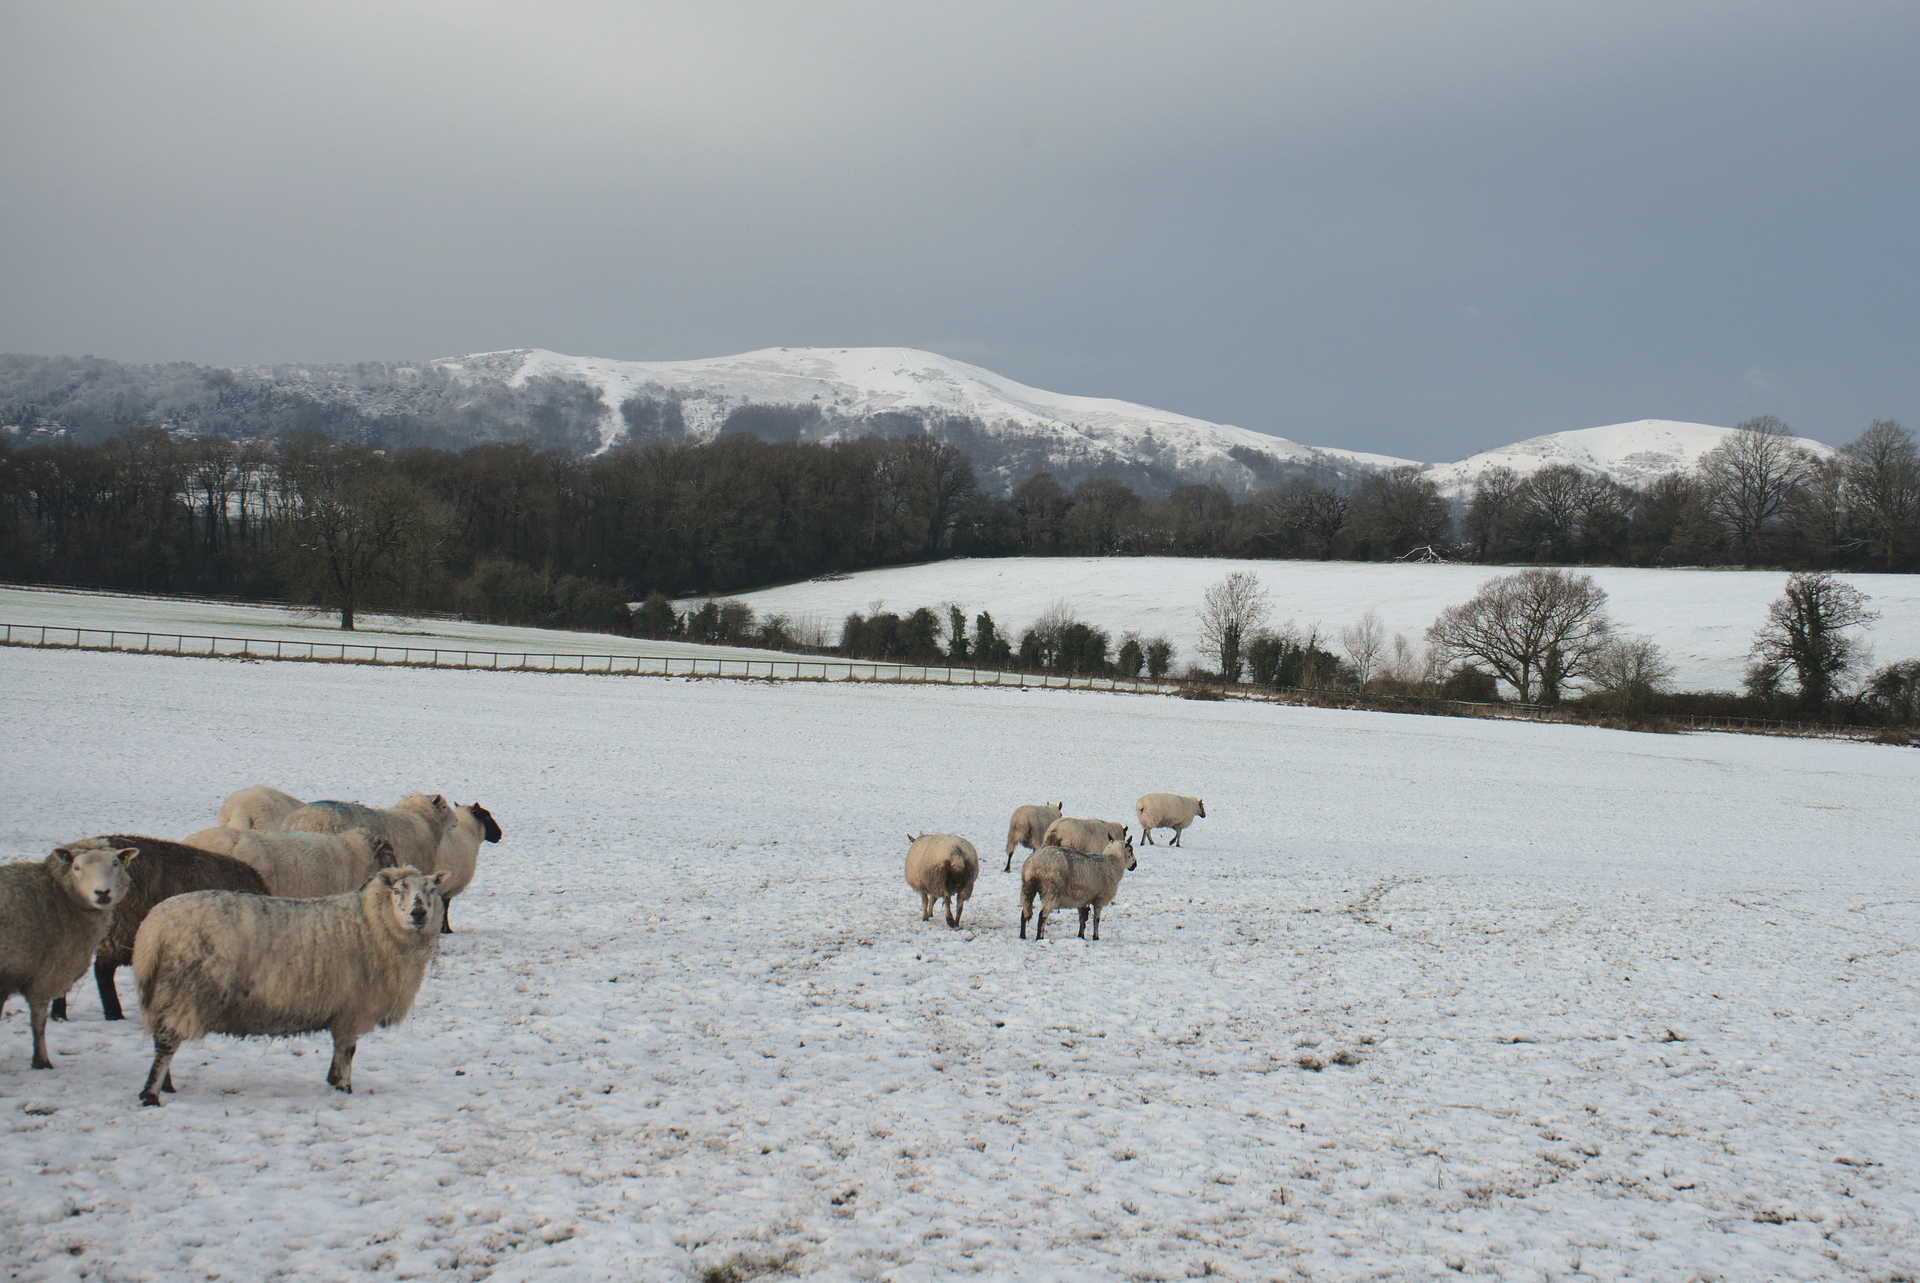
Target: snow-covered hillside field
<point x="1705" y="619"/>
<point x="1420" y="995"/>
<point x="55" y="607"/>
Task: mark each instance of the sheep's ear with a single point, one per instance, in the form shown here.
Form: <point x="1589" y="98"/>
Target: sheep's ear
<point x="126" y="855"/>
<point x="440" y="801"/>
<point x="439" y="879"/>
<point x="63" y="855"/>
<point x="390" y="877"/>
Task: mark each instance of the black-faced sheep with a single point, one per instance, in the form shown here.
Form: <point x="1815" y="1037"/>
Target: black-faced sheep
<point x="1065" y="879"/>
<point x="302" y="865"/>
<point x="53" y="914"/>
<point x="164" y="870"/>
<point x="943" y="867"/>
<point x="262" y="966"/>
<point x="1168" y="811"/>
<point x="459" y="853"/>
<point x="1028" y="827"/>
<point x="258" y="807"/>
<point x="414" y="825"/>
<point x="1090" y="836"/>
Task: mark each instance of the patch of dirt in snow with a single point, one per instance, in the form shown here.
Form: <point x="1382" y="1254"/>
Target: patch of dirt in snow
<point x="1479" y="997"/>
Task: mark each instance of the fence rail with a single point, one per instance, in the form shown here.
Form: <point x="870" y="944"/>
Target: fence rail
<point x="812" y="668"/>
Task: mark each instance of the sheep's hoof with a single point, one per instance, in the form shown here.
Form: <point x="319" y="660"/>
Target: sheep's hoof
<point x="167" y="1086"/>
<point x="150" y="1100"/>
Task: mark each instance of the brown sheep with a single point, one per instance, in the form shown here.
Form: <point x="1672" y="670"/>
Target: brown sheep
<point x="162" y="870"/>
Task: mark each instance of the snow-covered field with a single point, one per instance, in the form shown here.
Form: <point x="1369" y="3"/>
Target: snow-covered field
<point x="78" y="609"/>
<point x="1705" y="619"/>
<point x="1420" y="995"/>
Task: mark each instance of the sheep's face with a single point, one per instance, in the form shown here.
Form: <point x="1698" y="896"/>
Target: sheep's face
<point x="415" y="898"/>
<point x="96" y="875"/>
<point x="1122" y="849"/>
<point x="1200" y="808"/>
<point x="484" y="818"/>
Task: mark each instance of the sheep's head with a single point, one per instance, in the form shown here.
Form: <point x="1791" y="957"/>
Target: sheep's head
<point x="414" y="898"/>
<point x="493" y="830"/>
<point x="1121" y="848"/>
<point x="95" y="873"/>
<point x="1199" y="808"/>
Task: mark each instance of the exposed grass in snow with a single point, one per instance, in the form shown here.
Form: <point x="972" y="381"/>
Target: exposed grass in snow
<point x="1419" y="995"/>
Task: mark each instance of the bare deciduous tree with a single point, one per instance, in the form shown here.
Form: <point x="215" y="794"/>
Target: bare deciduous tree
<point x="1883" y="489"/>
<point x="1536" y="629"/>
<point x="1806" y="631"/>
<point x="1750" y="476"/>
<point x="1233" y="610"/>
<point x="356" y="534"/>
<point x="1365" y="644"/>
<point x="1630" y="671"/>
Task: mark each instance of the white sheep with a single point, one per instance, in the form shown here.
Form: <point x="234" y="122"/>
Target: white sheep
<point x="1077" y="834"/>
<point x="414" y="825"/>
<point x="214" y="962"/>
<point x="53" y="915"/>
<point x="941" y="866"/>
<point x="1028" y="827"/>
<point x="459" y="853"/>
<point x="258" y="807"/>
<point x="302" y="866"/>
<point x="1167" y="811"/>
<point x="1061" y="878"/>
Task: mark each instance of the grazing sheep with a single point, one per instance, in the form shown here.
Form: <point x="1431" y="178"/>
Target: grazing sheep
<point x="164" y="870"/>
<point x="262" y="966"/>
<point x="302" y="866"/>
<point x="942" y="867"/>
<point x="415" y="825"/>
<point x="1090" y="836"/>
<point x="1028" y="827"/>
<point x="1062" y="878"/>
<point x="259" y="807"/>
<point x="55" y="912"/>
<point x="1167" y="811"/>
<point x="459" y="853"/>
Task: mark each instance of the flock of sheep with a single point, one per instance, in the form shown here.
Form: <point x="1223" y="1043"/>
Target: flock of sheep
<point x="289" y="917"/>
<point x="284" y="918"/>
<point x="1076" y="863"/>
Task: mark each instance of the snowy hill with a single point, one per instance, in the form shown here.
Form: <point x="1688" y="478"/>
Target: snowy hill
<point x="1631" y="453"/>
<point x="1009" y="429"/>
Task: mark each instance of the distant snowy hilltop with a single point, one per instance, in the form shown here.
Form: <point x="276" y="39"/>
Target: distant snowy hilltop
<point x="1009" y="430"/>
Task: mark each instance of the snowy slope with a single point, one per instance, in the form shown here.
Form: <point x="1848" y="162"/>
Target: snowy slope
<point x="1631" y="453"/>
<point x="1420" y="998"/>
<point x="850" y="385"/>
<point x="1704" y="619"/>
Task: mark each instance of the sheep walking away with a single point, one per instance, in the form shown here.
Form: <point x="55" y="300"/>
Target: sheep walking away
<point x="260" y="966"/>
<point x="943" y="867"/>
<point x="1078" y="834"/>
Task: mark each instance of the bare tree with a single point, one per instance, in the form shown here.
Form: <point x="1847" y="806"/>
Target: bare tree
<point x="1750" y="476"/>
<point x="1365" y="644"/>
<point x="1535" y="629"/>
<point x="1806" y="631"/>
<point x="1234" y="609"/>
<point x="1630" y="671"/>
<point x="357" y="534"/>
<point x="1883" y="489"/>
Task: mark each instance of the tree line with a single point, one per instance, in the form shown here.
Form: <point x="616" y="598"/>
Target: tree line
<point x="516" y="533"/>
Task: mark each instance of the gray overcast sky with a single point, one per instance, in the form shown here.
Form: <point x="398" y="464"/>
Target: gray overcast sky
<point x="1416" y="228"/>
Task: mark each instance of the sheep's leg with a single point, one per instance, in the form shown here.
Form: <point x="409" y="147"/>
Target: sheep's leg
<point x="926" y="906"/>
<point x="109" y="994"/>
<point x="340" y="1073"/>
<point x="1040" y="925"/>
<point x="160" y="1077"/>
<point x="953" y="919"/>
<point x="1176" y="836"/>
<point x="959" y="907"/>
<point x="37" y="1010"/>
<point x="1096" y="921"/>
<point x="446" y="926"/>
<point x="1009" y="868"/>
<point x="1026" y="911"/>
<point x="1147" y="834"/>
<point x="1083" y="924"/>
